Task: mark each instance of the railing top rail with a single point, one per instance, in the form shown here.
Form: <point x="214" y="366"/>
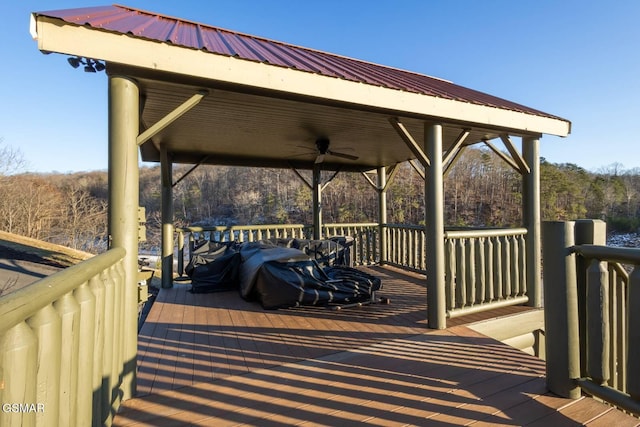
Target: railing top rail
<point x="450" y="233"/>
<point x="23" y="303"/>
<point x="608" y="253"/>
<point x="197" y="229"/>
<point x="405" y="226"/>
<point x="458" y="233"/>
<point x="352" y="224"/>
<point x="493" y="232"/>
<point x="200" y="229"/>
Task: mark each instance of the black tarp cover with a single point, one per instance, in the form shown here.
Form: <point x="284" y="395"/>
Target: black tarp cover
<point x="281" y="272"/>
<point x="214" y="267"/>
<point x="285" y="277"/>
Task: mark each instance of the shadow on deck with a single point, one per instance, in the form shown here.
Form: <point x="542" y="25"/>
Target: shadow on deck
<point x="214" y="359"/>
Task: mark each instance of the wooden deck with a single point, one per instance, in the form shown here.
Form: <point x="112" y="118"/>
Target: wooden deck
<point x="216" y="360"/>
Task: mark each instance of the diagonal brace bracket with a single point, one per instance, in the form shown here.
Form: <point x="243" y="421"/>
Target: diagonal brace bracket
<point x="187" y="173"/>
<point x="391" y="170"/>
<point x="171" y="117"/>
<point x="508" y="160"/>
<point x="454" y="151"/>
<point x="411" y="143"/>
<point x="523" y="167"/>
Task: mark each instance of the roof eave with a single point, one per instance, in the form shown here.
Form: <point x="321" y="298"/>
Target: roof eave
<point x="55" y="35"/>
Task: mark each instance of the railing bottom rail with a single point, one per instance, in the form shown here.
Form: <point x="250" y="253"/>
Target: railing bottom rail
<point x="611" y="395"/>
<point x="457" y="312"/>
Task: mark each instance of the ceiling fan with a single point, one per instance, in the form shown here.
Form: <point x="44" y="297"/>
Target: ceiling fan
<point x="322" y="144"/>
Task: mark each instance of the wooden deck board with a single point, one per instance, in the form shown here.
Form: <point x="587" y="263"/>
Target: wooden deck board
<point x="215" y="359"/>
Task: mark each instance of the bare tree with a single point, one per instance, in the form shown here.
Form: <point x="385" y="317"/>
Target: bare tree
<point x="11" y="159"/>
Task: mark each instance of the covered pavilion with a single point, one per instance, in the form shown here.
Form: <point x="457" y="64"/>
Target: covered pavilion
<point x="185" y="92"/>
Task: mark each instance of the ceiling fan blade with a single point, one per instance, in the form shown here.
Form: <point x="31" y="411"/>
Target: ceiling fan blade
<point x="319" y="159"/>
<point x="343" y="155"/>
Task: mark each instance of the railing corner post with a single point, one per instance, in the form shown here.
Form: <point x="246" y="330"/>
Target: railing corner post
<point x="633" y="355"/>
<point x="587" y="232"/>
<point x="561" y="309"/>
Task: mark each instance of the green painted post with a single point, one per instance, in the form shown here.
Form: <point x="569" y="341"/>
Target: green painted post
<point x="46" y="325"/>
<point x="97" y="285"/>
<point x="633" y="355"/>
<point x="124" y="104"/>
<point x="382" y="213"/>
<point x="181" y="252"/>
<point x="86" y="333"/>
<point x="18" y="358"/>
<point x="561" y="309"/>
<point x="531" y="216"/>
<point x="434" y="228"/>
<point x="167" y="218"/>
<point x="587" y="232"/>
<point x="317" y="203"/>
<point x="69" y="311"/>
<point x="598" y="337"/>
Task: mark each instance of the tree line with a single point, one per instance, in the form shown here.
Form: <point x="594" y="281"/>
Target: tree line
<point x="480" y="190"/>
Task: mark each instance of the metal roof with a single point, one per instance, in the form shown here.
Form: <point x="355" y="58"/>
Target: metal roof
<point x="179" y="32"/>
<point x="268" y="103"/>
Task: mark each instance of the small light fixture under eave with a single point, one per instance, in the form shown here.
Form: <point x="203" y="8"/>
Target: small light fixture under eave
<point x="90" y="65"/>
<point x="74" y="61"/>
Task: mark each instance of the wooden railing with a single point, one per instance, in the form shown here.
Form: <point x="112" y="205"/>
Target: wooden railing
<point x="364" y="247"/>
<point x="406" y="247"/>
<point x="61" y="346"/>
<point x="610" y="339"/>
<point x="484" y="268"/>
<point x="235" y="233"/>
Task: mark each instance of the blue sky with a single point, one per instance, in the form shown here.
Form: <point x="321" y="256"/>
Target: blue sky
<point x="575" y="59"/>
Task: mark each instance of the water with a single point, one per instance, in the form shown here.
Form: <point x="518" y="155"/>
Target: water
<point x="624" y="240"/>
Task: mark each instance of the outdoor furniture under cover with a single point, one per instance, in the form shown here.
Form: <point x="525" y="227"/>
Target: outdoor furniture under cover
<point x="282" y="273"/>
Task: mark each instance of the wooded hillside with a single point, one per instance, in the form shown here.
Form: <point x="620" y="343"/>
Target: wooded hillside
<point x="480" y="190"/>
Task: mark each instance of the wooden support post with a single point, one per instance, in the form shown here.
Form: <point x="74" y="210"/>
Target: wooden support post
<point x="598" y="322"/>
<point x="633" y="355"/>
<point x="167" y="217"/>
<point x="124" y="119"/>
<point x="382" y="213"/>
<point x="531" y="219"/>
<point x="587" y="232"/>
<point x="317" y="202"/>
<point x="561" y="309"/>
<point x="434" y="228"/>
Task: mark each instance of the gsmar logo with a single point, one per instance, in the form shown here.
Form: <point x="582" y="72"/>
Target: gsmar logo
<point x="22" y="407"/>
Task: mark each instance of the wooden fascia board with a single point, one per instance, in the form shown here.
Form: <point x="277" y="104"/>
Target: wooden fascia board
<point x="53" y="35"/>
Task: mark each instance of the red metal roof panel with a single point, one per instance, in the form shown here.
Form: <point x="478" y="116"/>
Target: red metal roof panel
<point x="153" y="26"/>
